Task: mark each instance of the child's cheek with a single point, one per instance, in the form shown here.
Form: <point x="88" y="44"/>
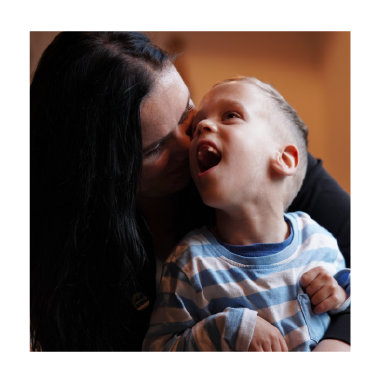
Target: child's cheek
<point x="192" y="149"/>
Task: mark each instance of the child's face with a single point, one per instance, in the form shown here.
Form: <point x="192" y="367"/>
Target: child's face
<point x="231" y="147"/>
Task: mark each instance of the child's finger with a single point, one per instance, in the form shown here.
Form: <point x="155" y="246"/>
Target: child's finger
<point x="310" y="275"/>
<point x="276" y="346"/>
<point x="334" y="301"/>
<point x="314" y="287"/>
<point x="325" y="305"/>
<point x="284" y="347"/>
<point x="322" y="294"/>
<point x="266" y="347"/>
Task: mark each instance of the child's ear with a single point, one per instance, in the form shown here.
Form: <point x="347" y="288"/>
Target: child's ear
<point x="285" y="160"/>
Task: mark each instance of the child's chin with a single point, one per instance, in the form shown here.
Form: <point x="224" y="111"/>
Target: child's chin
<point x="211" y="200"/>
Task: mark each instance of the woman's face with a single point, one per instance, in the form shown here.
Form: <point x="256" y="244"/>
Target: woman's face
<point x="166" y="115"/>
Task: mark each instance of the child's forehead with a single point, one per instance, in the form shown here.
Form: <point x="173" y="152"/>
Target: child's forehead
<point x="243" y="92"/>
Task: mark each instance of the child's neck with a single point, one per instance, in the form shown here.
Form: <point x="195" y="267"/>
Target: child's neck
<point x="251" y="225"/>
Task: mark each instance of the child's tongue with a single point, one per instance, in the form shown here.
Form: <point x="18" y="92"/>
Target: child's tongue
<point x="208" y="157"/>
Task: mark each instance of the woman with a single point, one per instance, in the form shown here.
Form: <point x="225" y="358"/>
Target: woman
<point x="110" y="118"/>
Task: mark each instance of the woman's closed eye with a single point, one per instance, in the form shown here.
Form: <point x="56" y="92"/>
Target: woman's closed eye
<point x="187" y="114"/>
<point x="156" y="150"/>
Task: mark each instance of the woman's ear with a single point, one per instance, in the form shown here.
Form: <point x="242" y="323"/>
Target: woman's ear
<point x="285" y="160"/>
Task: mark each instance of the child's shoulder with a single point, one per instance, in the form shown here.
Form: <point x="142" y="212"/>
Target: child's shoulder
<point x="307" y="228"/>
<point x="194" y="244"/>
<point x="312" y="237"/>
<point x="302" y="221"/>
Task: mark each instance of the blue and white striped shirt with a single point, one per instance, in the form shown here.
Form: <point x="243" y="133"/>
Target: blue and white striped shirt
<point x="209" y="297"/>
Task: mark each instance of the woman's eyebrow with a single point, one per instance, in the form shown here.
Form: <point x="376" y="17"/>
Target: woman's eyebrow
<point x="186" y="112"/>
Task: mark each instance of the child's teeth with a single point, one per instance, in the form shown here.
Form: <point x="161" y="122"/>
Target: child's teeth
<point x="208" y="157"/>
<point x="206" y="150"/>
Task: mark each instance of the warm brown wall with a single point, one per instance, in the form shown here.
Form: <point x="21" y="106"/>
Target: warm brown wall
<point x="336" y="79"/>
<point x="310" y="69"/>
<point x="38" y="43"/>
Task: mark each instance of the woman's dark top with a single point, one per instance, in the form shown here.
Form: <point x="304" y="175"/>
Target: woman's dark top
<point x="320" y="196"/>
<point x="326" y="202"/>
<point x="329" y="205"/>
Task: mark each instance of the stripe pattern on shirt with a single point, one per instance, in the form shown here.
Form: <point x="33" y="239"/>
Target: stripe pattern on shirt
<point x="209" y="297"/>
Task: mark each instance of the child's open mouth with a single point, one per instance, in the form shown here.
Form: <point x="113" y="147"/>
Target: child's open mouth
<point x="208" y="156"/>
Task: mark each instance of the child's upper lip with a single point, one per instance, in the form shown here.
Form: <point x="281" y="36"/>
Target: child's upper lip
<point x="205" y="142"/>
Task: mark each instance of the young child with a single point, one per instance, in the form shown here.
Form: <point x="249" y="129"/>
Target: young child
<point x="224" y="288"/>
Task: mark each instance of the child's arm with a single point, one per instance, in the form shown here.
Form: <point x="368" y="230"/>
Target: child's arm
<point x="179" y="323"/>
<point x="267" y="338"/>
<point x="327" y="292"/>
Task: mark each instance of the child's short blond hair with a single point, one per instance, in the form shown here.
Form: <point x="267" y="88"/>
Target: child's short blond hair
<point x="287" y="128"/>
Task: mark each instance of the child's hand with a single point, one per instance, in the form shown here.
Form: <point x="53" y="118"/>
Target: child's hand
<point x="267" y="338"/>
<point x="323" y="290"/>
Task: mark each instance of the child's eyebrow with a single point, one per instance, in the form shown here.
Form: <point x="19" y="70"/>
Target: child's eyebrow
<point x="229" y="102"/>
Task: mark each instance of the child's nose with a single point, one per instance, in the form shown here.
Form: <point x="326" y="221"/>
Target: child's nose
<point x="205" y="126"/>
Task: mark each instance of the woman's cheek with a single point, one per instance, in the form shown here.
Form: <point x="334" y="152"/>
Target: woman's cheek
<point x="156" y="168"/>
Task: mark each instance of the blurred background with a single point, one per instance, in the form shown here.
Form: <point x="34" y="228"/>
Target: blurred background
<point x="310" y="69"/>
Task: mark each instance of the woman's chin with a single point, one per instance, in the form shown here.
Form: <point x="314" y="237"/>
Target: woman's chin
<point x="180" y="183"/>
<point x="165" y="187"/>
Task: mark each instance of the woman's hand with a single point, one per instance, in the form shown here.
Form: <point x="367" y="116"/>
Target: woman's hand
<point x="323" y="290"/>
<point x="267" y="338"/>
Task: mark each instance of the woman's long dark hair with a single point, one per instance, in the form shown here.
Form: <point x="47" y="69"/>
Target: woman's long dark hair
<point x="85" y="161"/>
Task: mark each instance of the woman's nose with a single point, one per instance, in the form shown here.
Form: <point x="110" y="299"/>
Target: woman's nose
<point x="181" y="144"/>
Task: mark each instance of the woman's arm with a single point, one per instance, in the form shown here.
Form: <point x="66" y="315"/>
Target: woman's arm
<point x="332" y="345"/>
<point x="329" y="205"/>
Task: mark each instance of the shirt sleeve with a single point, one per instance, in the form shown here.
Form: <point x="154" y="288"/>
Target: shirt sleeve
<point x="343" y="278"/>
<point x="179" y="324"/>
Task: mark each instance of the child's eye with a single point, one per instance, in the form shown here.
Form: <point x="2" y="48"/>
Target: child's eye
<point x="230" y="115"/>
